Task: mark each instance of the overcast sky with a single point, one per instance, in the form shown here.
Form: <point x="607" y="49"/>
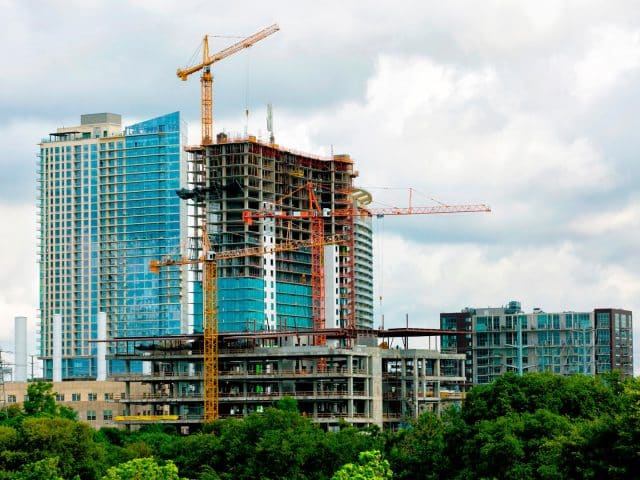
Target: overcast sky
<point x="530" y="107"/>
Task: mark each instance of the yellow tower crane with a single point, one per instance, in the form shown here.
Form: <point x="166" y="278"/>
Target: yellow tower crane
<point x="206" y="79"/>
<point x="209" y="259"/>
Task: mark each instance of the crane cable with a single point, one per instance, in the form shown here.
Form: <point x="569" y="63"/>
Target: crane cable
<point x="246" y="91"/>
<point x="380" y="224"/>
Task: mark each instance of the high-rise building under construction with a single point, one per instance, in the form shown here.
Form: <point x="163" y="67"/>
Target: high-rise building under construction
<point x="107" y="206"/>
<point x="276" y="291"/>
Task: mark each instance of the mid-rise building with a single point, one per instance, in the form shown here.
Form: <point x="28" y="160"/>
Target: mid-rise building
<point x="96" y="403"/>
<point x="362" y="385"/>
<point x="507" y="339"/>
<point x="106" y="207"/>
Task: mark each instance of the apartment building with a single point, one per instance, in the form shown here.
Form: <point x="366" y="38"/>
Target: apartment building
<point x="507" y="339"/>
<point x="106" y="206"/>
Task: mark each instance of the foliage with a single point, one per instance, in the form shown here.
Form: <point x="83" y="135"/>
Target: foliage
<point x="143" y="469"/>
<point x="45" y="469"/>
<point x="287" y="404"/>
<point x="370" y="466"/>
<point x="70" y="441"/>
<point x="577" y="396"/>
<point x="41" y="401"/>
<point x="418" y="452"/>
<point x="538" y="426"/>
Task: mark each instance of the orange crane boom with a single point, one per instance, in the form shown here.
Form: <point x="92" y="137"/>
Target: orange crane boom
<point x="206" y="79"/>
<point x="209" y="259"/>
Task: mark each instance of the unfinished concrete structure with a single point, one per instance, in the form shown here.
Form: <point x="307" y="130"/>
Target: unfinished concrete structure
<point x="275" y="291"/>
<point x="362" y="385"/>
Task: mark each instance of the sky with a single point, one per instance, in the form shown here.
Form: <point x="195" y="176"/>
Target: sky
<point x="529" y="107"/>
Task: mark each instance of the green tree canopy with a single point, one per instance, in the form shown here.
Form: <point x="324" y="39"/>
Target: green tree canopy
<point x="143" y="469"/>
<point x="45" y="469"/>
<point x="41" y="400"/>
<point x="370" y="466"/>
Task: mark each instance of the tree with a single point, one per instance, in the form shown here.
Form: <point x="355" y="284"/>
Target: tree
<point x="288" y="404"/>
<point x="45" y="469"/>
<point x="370" y="466"/>
<point x="69" y="440"/>
<point x="418" y="452"/>
<point x="41" y="400"/>
<point x="143" y="469"/>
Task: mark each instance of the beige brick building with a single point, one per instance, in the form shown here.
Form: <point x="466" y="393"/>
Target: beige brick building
<point x="97" y="403"/>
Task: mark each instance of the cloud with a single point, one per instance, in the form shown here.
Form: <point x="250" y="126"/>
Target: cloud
<point x="620" y="221"/>
<point x="446" y="273"/>
<point x="454" y="135"/>
<point x="613" y="55"/>
<point x="18" y="276"/>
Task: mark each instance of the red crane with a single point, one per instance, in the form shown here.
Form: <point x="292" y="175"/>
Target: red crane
<point x="316" y="217"/>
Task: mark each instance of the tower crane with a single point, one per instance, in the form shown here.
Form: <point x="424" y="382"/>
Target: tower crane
<point x="206" y="79"/>
<point x="316" y="217"/>
<point x="210" y="259"/>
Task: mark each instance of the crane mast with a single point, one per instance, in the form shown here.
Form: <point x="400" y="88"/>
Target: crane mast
<point x="206" y="78"/>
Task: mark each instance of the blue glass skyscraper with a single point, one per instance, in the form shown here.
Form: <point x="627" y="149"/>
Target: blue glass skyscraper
<point x="107" y="206"/>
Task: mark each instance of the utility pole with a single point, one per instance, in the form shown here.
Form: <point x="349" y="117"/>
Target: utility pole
<point x="3" y="392"/>
<point x="32" y="365"/>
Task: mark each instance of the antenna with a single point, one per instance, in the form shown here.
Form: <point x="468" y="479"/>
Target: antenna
<point x="270" y="123"/>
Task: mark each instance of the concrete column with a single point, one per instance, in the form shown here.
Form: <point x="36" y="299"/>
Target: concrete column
<point x="331" y="288"/>
<point x="376" y="380"/>
<point x="101" y="359"/>
<point x="269" y="270"/>
<point x="414" y="390"/>
<point x="57" y="348"/>
<point x="20" y="374"/>
<point x="403" y="385"/>
<point x="350" y="386"/>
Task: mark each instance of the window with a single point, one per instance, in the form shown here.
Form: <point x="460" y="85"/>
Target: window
<point x="75" y="397"/>
<point x="59" y="397"/>
<point x="91" y="415"/>
<point x="92" y="397"/>
<point x="603" y="320"/>
<point x="11" y="398"/>
<point x="107" y="415"/>
<point x="108" y="397"/>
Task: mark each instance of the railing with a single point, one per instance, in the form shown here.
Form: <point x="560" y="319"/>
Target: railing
<point x="392" y="416"/>
<point x="146" y="376"/>
<point x="152" y="397"/>
<point x="311" y="371"/>
<point x="317" y="394"/>
<point x="339" y="414"/>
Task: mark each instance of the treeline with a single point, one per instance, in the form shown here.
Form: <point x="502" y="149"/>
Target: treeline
<point x="539" y="426"/>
